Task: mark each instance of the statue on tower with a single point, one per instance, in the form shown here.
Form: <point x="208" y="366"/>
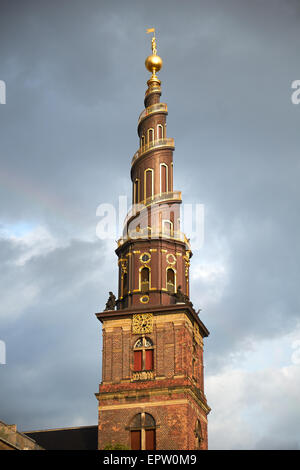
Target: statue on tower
<point x="180" y="297"/>
<point x="111" y="302"/>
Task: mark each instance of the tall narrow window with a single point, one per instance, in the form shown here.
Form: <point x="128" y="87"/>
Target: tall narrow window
<point x="149" y="359"/>
<point x="148" y="183"/>
<point x="136" y="191"/>
<point x="172" y="217"/>
<point x="138" y="363"/>
<point x="167" y="228"/>
<point x="171" y="280"/>
<point x="143" y="432"/>
<point x="150" y="439"/>
<point x="125" y="284"/>
<point x="163" y="178"/>
<point x="135" y="438"/>
<point x="145" y="279"/>
<point x="160" y="131"/>
<point x="150" y="136"/>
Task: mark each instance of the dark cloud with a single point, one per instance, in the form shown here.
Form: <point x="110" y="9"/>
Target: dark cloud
<point x="53" y="340"/>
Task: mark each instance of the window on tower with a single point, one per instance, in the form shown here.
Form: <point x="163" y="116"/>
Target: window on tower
<point x="125" y="284"/>
<point x="148" y="183"/>
<point x="170" y="280"/>
<point x="163" y="178"/>
<point x="150" y="135"/>
<point x="167" y="228"/>
<point x="136" y="191"/>
<point x="160" y="131"/>
<point x="142" y="432"/>
<point x="143" y="355"/>
<point x="145" y="279"/>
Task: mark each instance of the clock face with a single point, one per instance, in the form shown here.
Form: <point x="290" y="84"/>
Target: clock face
<point x="142" y="323"/>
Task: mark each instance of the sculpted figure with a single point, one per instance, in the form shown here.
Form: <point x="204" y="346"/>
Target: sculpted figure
<point x="111" y="303"/>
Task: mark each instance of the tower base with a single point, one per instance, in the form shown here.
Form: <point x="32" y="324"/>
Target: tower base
<point x="162" y="406"/>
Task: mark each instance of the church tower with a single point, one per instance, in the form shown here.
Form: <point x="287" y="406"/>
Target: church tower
<point x="152" y="390"/>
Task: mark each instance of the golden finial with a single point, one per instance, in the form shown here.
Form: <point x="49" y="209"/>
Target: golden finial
<point x="153" y="63"/>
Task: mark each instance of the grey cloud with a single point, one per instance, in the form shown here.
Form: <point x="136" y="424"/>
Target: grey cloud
<point x="53" y="348"/>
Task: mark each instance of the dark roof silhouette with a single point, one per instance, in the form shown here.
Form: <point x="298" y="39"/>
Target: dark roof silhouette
<point x="80" y="438"/>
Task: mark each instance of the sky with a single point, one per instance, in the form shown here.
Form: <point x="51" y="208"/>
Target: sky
<point x="75" y="83"/>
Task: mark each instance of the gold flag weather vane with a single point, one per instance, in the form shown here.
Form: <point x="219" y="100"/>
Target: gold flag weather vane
<point x="153" y="62"/>
<point x="152" y="30"/>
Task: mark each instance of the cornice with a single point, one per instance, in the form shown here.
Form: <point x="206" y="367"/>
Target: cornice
<point x="156" y="309"/>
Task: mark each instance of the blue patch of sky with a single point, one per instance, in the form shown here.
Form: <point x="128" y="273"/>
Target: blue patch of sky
<point x="18" y="229"/>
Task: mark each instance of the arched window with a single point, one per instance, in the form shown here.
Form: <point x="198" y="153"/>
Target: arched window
<point x="171" y="280"/>
<point x="160" y="131"/>
<point x="142" y="432"/>
<point x="145" y="279"/>
<point x="150" y="135"/>
<point x="167" y="228"/>
<point x="143" y="141"/>
<point x="148" y="183"/>
<point x="163" y="178"/>
<point x="143" y="355"/>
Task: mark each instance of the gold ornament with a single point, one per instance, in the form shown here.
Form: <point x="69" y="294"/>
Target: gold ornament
<point x="144" y="299"/>
<point x="145" y="257"/>
<point x="171" y="259"/>
<point x="124" y="266"/>
<point x="153" y="62"/>
<point x="187" y="265"/>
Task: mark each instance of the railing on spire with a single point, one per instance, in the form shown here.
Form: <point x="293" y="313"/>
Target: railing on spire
<point x="169" y="142"/>
<point x="154" y="108"/>
<point x="147" y="234"/>
<point x="161" y="197"/>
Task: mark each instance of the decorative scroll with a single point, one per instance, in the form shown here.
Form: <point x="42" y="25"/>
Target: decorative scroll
<point x="124" y="266"/>
<point x="144" y="375"/>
